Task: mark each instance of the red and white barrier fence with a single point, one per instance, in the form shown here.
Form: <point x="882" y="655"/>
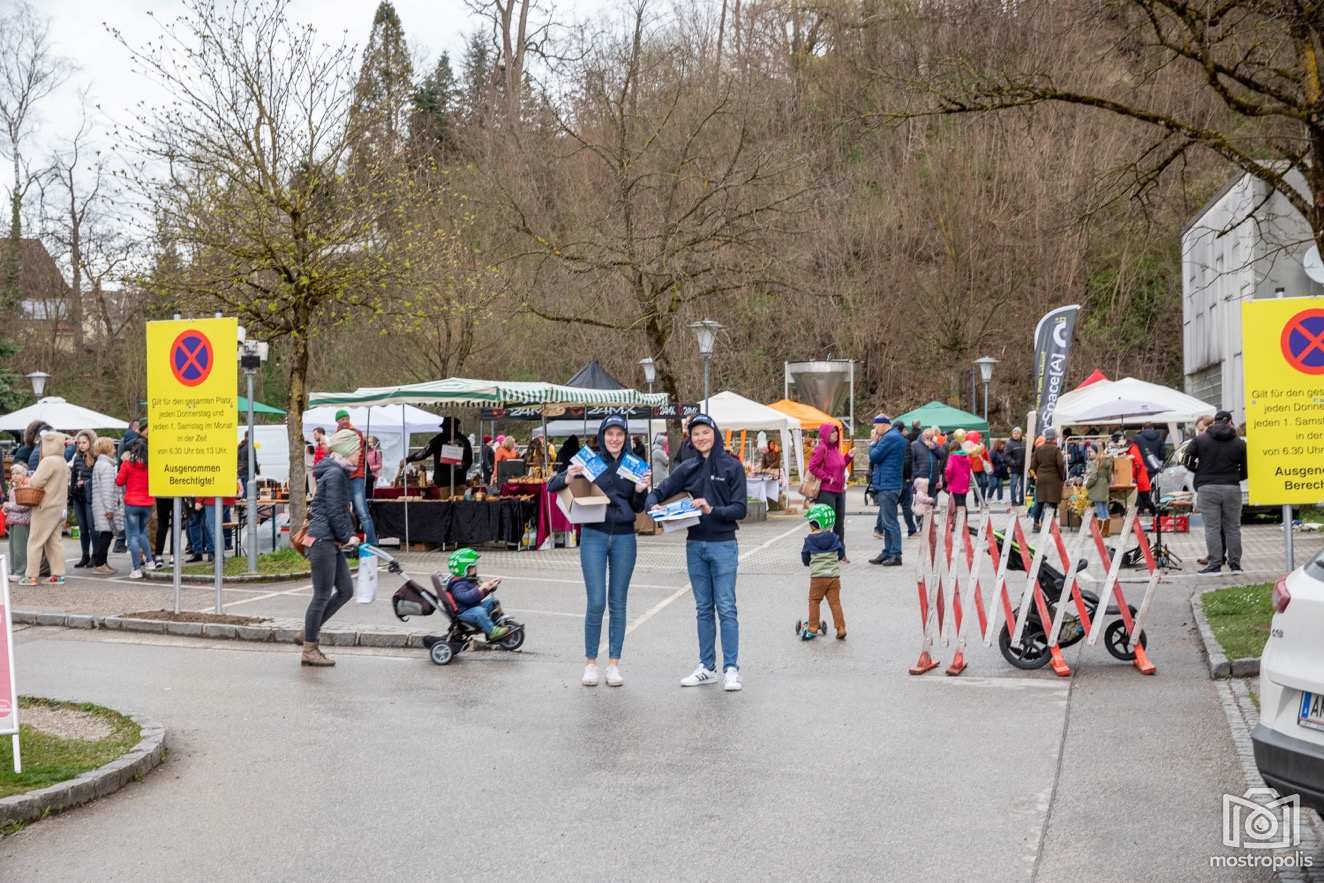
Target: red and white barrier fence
<point x="951" y="579"/>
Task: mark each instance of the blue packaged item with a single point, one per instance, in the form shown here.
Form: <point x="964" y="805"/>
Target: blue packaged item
<point x="593" y="464"/>
<point x="632" y="468"/>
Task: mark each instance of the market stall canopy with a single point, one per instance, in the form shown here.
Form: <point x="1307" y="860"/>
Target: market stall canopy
<point x="808" y="416"/>
<point x="61" y="415"/>
<point x="733" y="412"/>
<point x="594" y="376"/>
<point x="943" y="416"/>
<point x="383" y="418"/>
<point x="464" y="392"/>
<point x="258" y="408"/>
<point x="1095" y="376"/>
<point x="1175" y="407"/>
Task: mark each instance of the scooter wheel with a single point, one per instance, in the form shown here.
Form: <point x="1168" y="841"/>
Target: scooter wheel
<point x="442" y="653"/>
<point x="799" y="627"/>
<point x="514" y="640"/>
<point x="822" y="628"/>
<point x="1118" y="642"/>
<point x="1031" y="653"/>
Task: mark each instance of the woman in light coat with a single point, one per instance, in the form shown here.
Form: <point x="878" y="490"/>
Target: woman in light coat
<point x="107" y="504"/>
<point x="48" y="517"/>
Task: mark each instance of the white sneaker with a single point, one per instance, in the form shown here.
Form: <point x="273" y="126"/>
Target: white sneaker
<point x="135" y="574"/>
<point x="700" y="677"/>
<point x="614" y="678"/>
<point x="731" y="680"/>
<point x="590" y="676"/>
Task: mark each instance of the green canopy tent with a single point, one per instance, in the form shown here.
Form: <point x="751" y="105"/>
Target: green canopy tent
<point x="945" y="417"/>
<point x="258" y="408"/>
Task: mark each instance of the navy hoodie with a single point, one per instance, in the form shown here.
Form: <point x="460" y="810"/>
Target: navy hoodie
<point x="625" y="501"/>
<point x="718" y="478"/>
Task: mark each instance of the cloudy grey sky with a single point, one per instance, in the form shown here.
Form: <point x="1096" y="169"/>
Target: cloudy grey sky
<point x="78" y="30"/>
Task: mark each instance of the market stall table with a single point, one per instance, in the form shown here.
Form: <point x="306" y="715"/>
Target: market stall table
<point x="453" y="523"/>
<point x="550" y="517"/>
<point x="763" y="487"/>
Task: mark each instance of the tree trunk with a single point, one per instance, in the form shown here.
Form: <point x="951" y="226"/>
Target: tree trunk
<point x="76" y="271"/>
<point x="296" y="405"/>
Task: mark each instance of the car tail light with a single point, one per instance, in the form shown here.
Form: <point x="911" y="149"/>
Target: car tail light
<point x="1281" y="597"/>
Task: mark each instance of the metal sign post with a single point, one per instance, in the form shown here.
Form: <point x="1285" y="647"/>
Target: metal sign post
<point x="218" y="545"/>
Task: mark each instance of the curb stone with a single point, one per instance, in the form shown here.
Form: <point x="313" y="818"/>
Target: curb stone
<point x="104" y="780"/>
<point x="280" y="631"/>
<point x="1220" y="667"/>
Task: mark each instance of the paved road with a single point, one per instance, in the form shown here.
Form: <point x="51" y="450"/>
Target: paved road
<point x="833" y="763"/>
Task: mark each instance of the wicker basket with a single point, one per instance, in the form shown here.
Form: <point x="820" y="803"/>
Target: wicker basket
<point x="29" y="496"/>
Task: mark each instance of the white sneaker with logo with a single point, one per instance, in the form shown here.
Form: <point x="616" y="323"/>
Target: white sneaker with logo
<point x="700" y="677"/>
<point x="591" y="676"/>
<point x="731" y="680"/>
<point x="614" y="678"/>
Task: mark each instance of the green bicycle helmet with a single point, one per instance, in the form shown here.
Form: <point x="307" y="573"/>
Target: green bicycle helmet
<point x="823" y="515"/>
<point x="460" y="561"/>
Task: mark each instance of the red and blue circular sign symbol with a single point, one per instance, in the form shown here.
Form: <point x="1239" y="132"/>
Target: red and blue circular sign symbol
<point x="191" y="358"/>
<point x="1303" y="341"/>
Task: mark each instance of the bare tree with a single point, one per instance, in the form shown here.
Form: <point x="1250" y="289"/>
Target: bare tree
<point x="516" y="33"/>
<point x="29" y="72"/>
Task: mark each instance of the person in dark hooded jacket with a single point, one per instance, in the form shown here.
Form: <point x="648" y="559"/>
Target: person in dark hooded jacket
<point x="607" y="549"/>
<point x="716" y="481"/>
<point x="1217" y="459"/>
<point x="1150" y="442"/>
<point x="447" y="476"/>
<point x="567" y="453"/>
<point x="331" y="527"/>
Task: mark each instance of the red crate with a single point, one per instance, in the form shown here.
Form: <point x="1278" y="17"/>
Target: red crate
<point x="1174" y="523"/>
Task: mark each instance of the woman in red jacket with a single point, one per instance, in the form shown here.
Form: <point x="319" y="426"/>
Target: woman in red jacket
<point x="1144" y="499"/>
<point x="138" y="506"/>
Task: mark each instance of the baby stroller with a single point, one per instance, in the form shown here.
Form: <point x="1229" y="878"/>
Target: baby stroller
<point x="412" y="599"/>
<point x="1033" y="652"/>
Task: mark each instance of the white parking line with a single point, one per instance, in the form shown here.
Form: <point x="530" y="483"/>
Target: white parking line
<point x="293" y="591"/>
<point x="571" y="582"/>
<point x="683" y="590"/>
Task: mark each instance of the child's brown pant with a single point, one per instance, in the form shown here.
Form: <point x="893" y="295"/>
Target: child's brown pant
<point x="829" y="587"/>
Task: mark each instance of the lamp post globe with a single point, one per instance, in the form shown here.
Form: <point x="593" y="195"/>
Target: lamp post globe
<point x="705" y="332"/>
<point x="38" y="380"/>
<point x="986" y="364"/>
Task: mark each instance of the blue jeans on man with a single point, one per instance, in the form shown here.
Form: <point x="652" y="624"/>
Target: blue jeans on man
<point x="887" y="503"/>
<point x="907" y="512"/>
<point x="209" y="529"/>
<point x="607" y="560"/>
<point x="481" y="615"/>
<point x="712" y="569"/>
<point x="359" y="494"/>
<point x="1017" y="489"/>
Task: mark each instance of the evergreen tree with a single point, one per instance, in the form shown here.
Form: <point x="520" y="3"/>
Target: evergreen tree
<point x="379" y="116"/>
<point x="433" y="123"/>
<point x="479" y="82"/>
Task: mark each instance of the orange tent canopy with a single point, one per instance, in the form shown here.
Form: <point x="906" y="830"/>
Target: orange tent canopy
<point x="810" y="417"/>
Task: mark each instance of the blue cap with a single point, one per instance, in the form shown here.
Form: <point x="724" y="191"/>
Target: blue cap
<point x="615" y="420"/>
<point x="702" y="420"/>
<point x="882" y="418"/>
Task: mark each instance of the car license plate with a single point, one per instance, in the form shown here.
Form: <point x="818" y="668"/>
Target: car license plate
<point x="1312" y="711"/>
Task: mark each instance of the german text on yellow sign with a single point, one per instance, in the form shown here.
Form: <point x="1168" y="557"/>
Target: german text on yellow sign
<point x="192" y="407"/>
<point x="1283" y="355"/>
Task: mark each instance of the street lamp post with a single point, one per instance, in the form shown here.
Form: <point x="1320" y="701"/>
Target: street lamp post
<point x="705" y="332"/>
<point x="986" y="364"/>
<point x="251" y="355"/>
<point x="38" y="380"/>
<point x="650" y="376"/>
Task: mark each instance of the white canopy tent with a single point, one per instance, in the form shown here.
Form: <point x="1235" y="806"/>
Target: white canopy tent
<point x="1172" y="406"/>
<point x="61" y="415"/>
<point x="734" y="412"/>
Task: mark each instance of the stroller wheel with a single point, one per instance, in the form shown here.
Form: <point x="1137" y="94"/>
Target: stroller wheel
<point x="1031" y="653"/>
<point x="514" y="640"/>
<point x="1118" y="642"/>
<point x="442" y="653"/>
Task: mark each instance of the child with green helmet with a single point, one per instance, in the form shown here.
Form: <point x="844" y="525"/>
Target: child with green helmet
<point x="472" y="595"/>
<point x="822" y="554"/>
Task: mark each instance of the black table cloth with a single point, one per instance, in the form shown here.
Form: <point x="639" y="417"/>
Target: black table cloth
<point x="460" y="523"/>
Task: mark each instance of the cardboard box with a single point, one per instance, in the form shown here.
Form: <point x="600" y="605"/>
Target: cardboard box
<point x="680" y="523"/>
<point x="1122" y="474"/>
<point x="582" y="501"/>
<point x="644" y="525"/>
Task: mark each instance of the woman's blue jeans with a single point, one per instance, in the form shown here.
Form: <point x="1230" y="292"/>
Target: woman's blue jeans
<point x="712" y="567"/>
<point x="607" y="560"/>
<point x="135" y="530"/>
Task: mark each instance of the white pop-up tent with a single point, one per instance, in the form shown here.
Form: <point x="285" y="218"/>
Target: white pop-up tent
<point x="1114" y="402"/>
<point x="733" y="412"/>
<point x="392" y="424"/>
<point x="61" y="415"/>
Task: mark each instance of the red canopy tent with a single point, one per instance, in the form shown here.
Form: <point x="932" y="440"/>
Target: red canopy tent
<point x="1095" y="376"/>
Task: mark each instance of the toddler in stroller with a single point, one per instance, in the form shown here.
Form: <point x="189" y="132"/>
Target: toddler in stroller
<point x="468" y="603"/>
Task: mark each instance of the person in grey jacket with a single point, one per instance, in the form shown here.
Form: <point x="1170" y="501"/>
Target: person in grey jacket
<point x="330" y="526"/>
<point x="661" y="464"/>
<point x="107" y="503"/>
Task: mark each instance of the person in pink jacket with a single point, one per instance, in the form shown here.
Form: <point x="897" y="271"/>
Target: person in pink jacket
<point x="829" y="465"/>
<point x="957" y="475"/>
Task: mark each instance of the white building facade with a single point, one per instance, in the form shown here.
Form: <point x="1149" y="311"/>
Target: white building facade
<point x="1247" y="242"/>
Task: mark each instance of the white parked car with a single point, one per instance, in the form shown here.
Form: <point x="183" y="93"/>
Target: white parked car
<point x="1289" y="740"/>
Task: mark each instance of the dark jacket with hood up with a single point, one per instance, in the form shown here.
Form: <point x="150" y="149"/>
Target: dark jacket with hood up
<point x="1150" y="442"/>
<point x="444" y="476"/>
<point x="625" y="501"/>
<point x="1217" y="456"/>
<point x="718" y="478"/>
